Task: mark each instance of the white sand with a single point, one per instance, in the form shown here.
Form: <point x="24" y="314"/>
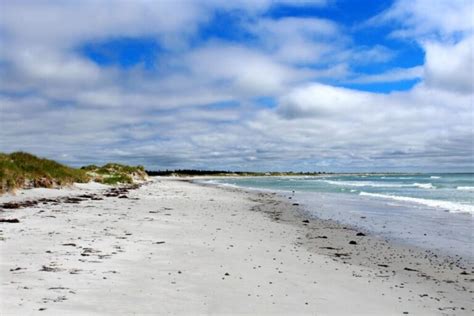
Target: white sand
<point x="207" y="231"/>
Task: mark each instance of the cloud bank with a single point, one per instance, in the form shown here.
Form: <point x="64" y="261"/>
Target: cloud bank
<point x="234" y="85"/>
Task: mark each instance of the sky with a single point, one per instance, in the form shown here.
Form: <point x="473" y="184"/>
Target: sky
<point x="257" y="85"/>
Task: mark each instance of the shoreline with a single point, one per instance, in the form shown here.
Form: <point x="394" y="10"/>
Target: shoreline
<point x="444" y="232"/>
<point x="182" y="248"/>
<point x="351" y="245"/>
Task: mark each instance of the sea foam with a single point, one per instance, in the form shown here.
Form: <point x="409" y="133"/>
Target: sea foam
<point x="446" y="205"/>
<point x="379" y="184"/>
<point x="424" y="185"/>
<point x="363" y="184"/>
<point x="465" y="188"/>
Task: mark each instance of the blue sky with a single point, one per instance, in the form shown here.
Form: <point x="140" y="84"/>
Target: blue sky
<point x="332" y="85"/>
<point x="126" y="52"/>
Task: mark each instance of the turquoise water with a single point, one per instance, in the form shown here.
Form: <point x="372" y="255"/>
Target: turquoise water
<point x="433" y="211"/>
<point x="451" y="192"/>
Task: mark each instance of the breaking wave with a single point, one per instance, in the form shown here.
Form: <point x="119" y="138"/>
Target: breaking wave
<point x="379" y="185"/>
<point x="465" y="188"/>
<point x="446" y="205"/>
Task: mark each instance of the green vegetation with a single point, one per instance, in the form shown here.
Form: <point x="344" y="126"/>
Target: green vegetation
<point x="23" y="170"/>
<point x="113" y="173"/>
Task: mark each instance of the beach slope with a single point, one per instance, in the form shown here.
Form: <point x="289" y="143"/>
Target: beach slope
<point x="175" y="247"/>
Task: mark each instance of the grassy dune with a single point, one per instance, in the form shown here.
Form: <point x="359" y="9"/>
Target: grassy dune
<point x="23" y="170"/>
<point x="113" y="173"/>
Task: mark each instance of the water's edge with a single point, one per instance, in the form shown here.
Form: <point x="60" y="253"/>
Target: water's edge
<point x="440" y="231"/>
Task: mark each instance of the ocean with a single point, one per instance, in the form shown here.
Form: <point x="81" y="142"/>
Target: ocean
<point x="432" y="211"/>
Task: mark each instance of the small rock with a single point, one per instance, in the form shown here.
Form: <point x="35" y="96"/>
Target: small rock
<point x="16" y="269"/>
<point x="9" y="220"/>
<point x="49" y="269"/>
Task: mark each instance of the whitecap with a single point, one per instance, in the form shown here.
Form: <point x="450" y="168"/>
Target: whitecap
<point x="465" y="188"/>
<point x="424" y="185"/>
<point x="363" y="184"/>
<point x="379" y="184"/>
<point x="446" y="205"/>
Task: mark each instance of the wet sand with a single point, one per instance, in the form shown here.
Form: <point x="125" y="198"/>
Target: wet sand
<point x="174" y="247"/>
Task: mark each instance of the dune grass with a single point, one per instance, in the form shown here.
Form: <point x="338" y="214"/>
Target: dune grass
<point x="24" y="170"/>
<point x="21" y="170"/>
<point x="114" y="173"/>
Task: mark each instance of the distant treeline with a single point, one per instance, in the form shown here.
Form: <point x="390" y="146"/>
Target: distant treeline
<point x="193" y="172"/>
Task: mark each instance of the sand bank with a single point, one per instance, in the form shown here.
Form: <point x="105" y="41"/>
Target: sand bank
<point x="174" y="247"/>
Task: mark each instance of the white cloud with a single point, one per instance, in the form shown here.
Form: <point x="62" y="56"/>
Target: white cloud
<point x="393" y="75"/>
<point x="426" y="19"/>
<point x="444" y="29"/>
<point x="241" y="69"/>
<point x="313" y="41"/>
<point x="291" y="26"/>
<point x="321" y="101"/>
<point x="46" y="23"/>
<point x="420" y="125"/>
<point x="298" y="40"/>
<point x="450" y="67"/>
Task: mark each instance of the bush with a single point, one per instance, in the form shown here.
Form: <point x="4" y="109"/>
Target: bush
<point x="116" y="179"/>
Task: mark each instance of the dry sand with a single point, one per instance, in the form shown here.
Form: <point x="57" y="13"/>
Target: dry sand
<point x="174" y="247"/>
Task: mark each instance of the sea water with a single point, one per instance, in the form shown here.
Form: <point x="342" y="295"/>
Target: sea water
<point x="433" y="211"/>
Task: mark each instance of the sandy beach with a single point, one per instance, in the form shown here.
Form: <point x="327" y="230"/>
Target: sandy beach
<point x="172" y="246"/>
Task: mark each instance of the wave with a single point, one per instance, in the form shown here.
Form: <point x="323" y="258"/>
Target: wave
<point x="361" y="184"/>
<point x="435" y="177"/>
<point x="218" y="183"/>
<point x="379" y="185"/>
<point x="465" y="188"/>
<point x="424" y="185"/>
<point x="446" y="205"/>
